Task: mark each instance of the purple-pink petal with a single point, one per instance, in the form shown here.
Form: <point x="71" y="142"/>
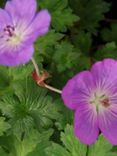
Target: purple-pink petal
<point x="4" y="18"/>
<point x="86" y="125"/>
<point x="77" y="90"/>
<point x="20" y="9"/>
<point x="105" y="73"/>
<point x="20" y="57"/>
<point x="40" y="25"/>
<point x="108" y="124"/>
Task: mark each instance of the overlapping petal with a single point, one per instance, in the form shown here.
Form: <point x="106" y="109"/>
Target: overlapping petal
<point x="21" y="9"/>
<point x="78" y="90"/>
<point x="11" y="58"/>
<point x="5" y="19"/>
<point x="40" y="25"/>
<point x="108" y="124"/>
<point x="105" y="74"/>
<point x="86" y="124"/>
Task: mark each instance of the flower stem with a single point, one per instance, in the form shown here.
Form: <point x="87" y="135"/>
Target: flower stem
<point x="87" y="152"/>
<point x="53" y="89"/>
<point x="38" y="73"/>
<point x="35" y="66"/>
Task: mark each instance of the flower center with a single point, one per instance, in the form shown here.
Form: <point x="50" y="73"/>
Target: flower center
<point x="11" y="36"/>
<point x="100" y="100"/>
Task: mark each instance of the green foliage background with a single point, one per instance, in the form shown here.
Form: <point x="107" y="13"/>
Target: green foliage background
<point x="33" y="120"/>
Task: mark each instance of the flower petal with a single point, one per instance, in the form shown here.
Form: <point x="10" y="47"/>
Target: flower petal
<point x="86" y="125"/>
<point x="105" y="74"/>
<point x="77" y="90"/>
<point x="108" y="124"/>
<point x="40" y="24"/>
<point x="13" y="58"/>
<point x="20" y="9"/>
<point x="5" y="19"/>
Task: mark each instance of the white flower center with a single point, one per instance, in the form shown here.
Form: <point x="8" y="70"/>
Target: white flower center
<point x="99" y="100"/>
<point x="11" y="36"/>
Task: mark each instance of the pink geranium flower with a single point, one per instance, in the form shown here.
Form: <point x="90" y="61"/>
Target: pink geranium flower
<point x="93" y="96"/>
<point x="20" y="26"/>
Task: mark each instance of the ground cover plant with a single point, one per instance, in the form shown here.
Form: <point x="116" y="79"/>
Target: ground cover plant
<point x="58" y="78"/>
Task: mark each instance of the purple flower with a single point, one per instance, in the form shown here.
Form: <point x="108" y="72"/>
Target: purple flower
<point x="93" y="96"/>
<point x="19" y="28"/>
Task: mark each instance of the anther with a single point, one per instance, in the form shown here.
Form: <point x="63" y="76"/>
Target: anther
<point x="9" y="29"/>
<point x="105" y="103"/>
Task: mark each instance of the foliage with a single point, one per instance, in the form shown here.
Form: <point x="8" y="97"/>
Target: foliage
<point x="4" y="126"/>
<point x="90" y="12"/>
<point x="62" y="16"/>
<point x="28" y="107"/>
<point x="102" y="147"/>
<point x="34" y="120"/>
<point x="72" y="147"/>
<point x="110" y="34"/>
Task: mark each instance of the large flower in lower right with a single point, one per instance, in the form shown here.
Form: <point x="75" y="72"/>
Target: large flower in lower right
<point x="93" y="96"/>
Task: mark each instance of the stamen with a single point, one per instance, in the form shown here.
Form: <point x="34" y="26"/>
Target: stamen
<point x="105" y="103"/>
<point x="99" y="99"/>
<point x="9" y="30"/>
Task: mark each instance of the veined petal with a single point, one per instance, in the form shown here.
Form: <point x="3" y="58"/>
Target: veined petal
<point x="20" y="9"/>
<point x="5" y="19"/>
<point x="78" y="90"/>
<point x="108" y="124"/>
<point x="40" y="25"/>
<point x="105" y="74"/>
<point x="86" y="125"/>
<point x="14" y="58"/>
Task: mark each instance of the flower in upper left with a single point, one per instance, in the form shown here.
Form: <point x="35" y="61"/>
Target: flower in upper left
<point x="20" y="26"/>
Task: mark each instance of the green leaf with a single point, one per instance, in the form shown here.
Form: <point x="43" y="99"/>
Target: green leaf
<point x="5" y="81"/>
<point x="71" y="145"/>
<point x="30" y="106"/>
<point x="62" y="16"/>
<point x="110" y="34"/>
<point x="4" y="126"/>
<point x="29" y="143"/>
<point x="10" y="75"/>
<point x="2" y="152"/>
<point x="20" y="72"/>
<point x="101" y="148"/>
<point x="65" y="56"/>
<point x="42" y="144"/>
<point x="57" y="150"/>
<point x="62" y="19"/>
<point x="46" y="41"/>
<point x="53" y="5"/>
<point x="65" y="117"/>
<point x="90" y="12"/>
<point x="107" y="51"/>
<point x="83" y="41"/>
